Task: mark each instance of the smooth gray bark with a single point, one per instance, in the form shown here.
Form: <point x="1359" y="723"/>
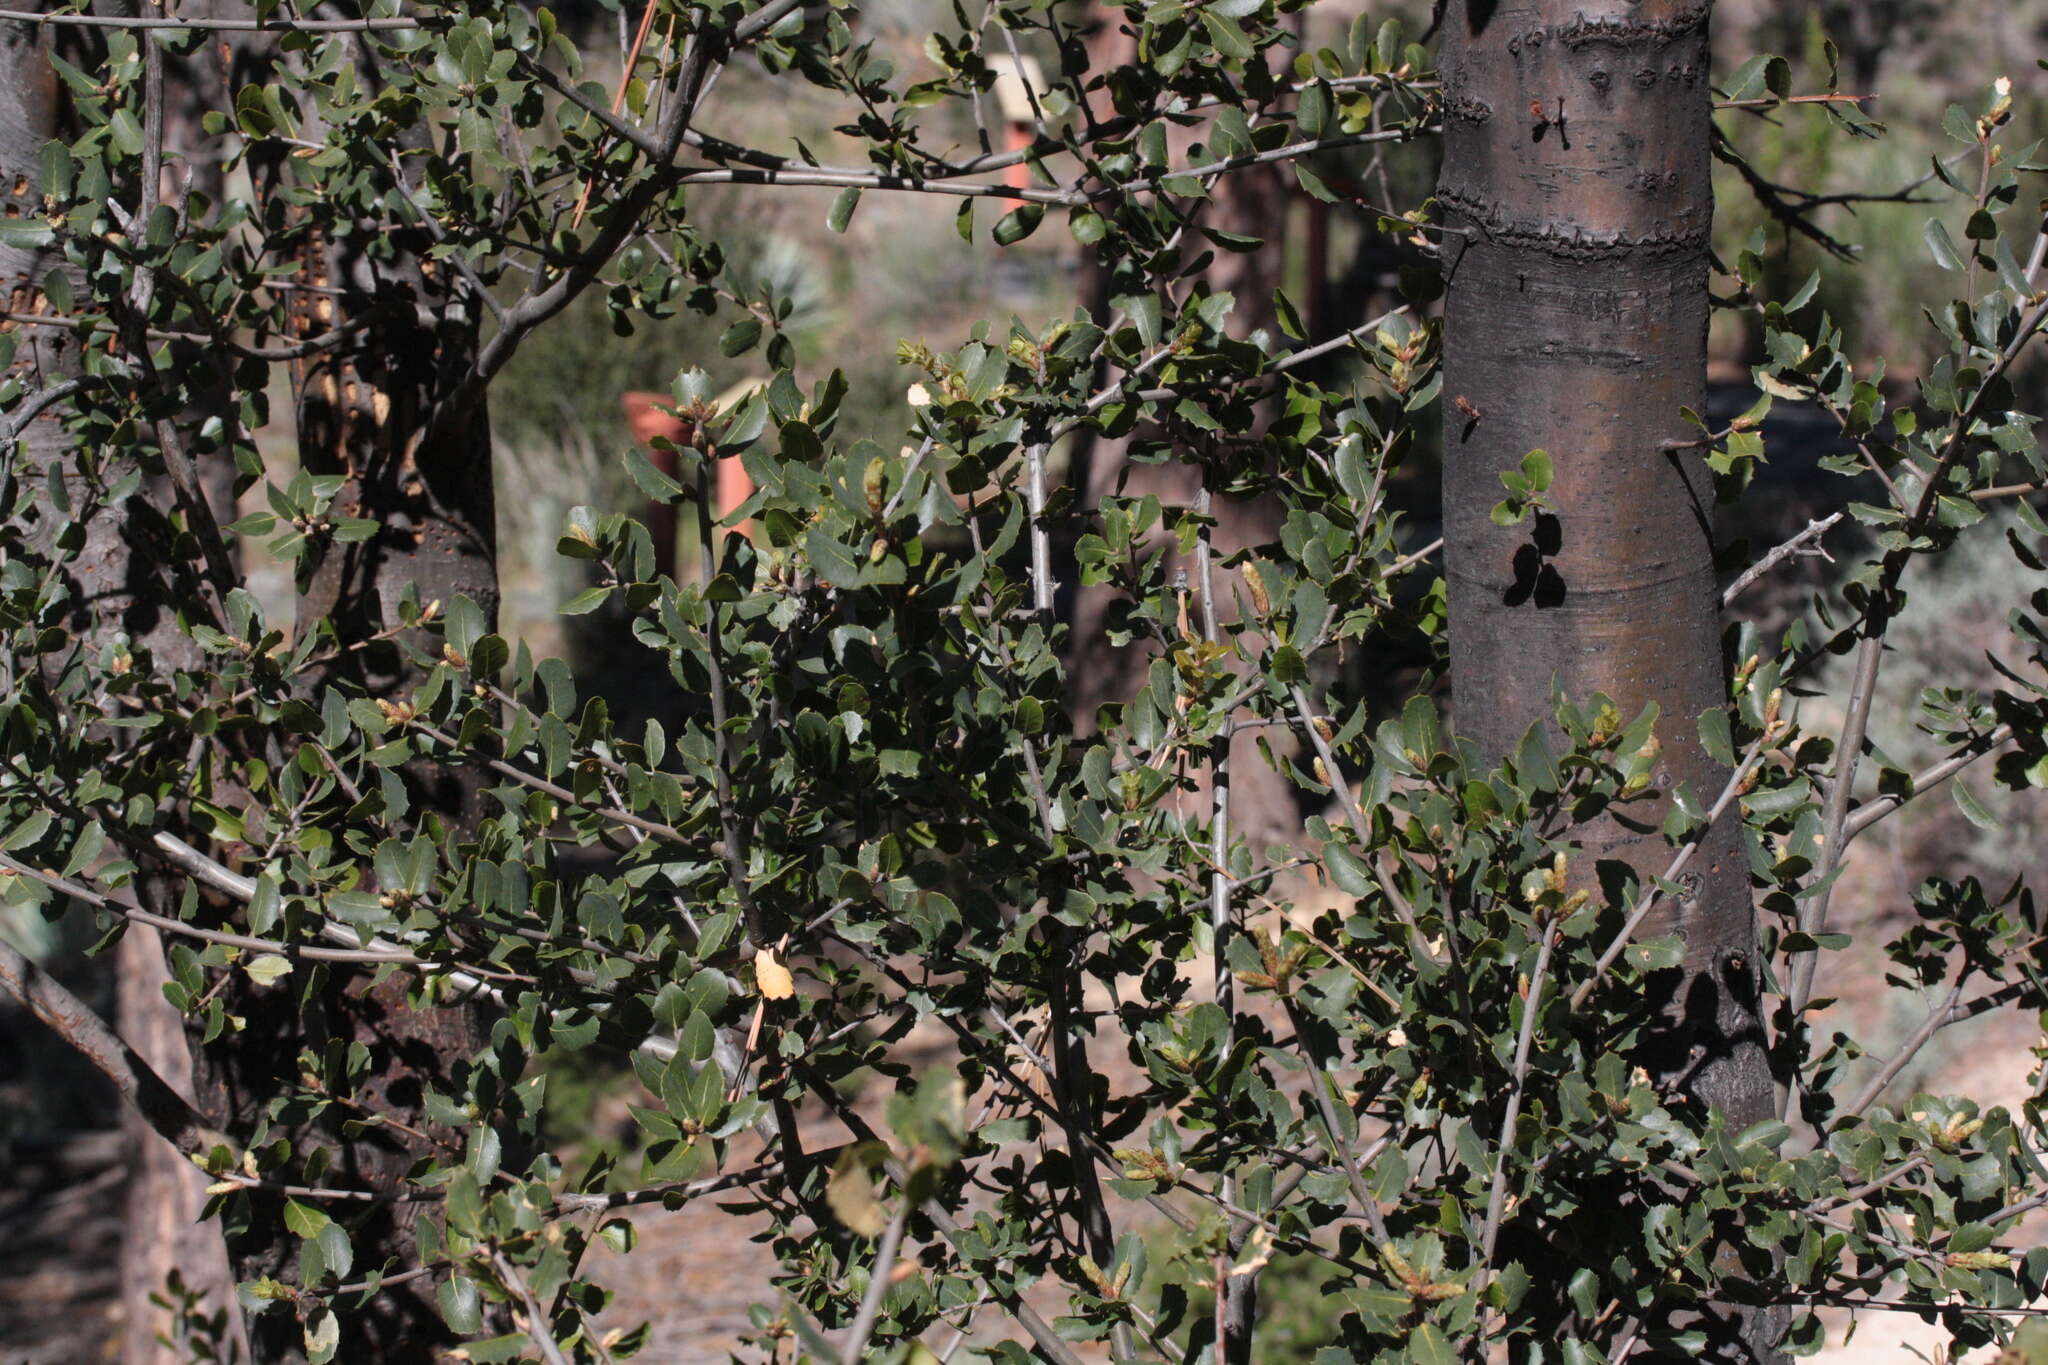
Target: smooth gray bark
<point x="1576" y="177"/>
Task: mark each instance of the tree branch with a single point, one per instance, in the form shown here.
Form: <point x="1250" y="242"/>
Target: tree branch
<point x="1778" y="554"/>
<point x="1496" y="1195"/>
<point x="1938" y="1017"/>
<point x="878" y="1284"/>
<point x="164" y="1109"/>
<point x="1678" y="864"/>
<point x="1868" y="814"/>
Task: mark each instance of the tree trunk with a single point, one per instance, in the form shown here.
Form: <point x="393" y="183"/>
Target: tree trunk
<point x="160" y="1227"/>
<point x="1576" y="170"/>
<point x="1251" y="203"/>
<point x="43" y="356"/>
<point x="161" y="1231"/>
<point x="363" y="411"/>
<point x="123" y="583"/>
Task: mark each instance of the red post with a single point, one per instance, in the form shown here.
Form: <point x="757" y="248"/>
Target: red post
<point x="1018" y="83"/>
<point x="1017" y="137"/>
<point x="648" y="415"/>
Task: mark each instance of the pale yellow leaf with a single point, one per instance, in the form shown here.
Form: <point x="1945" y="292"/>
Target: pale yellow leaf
<point x="771" y="977"/>
<point x="268" y="969"/>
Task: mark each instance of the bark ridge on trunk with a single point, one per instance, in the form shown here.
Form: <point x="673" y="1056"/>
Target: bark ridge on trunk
<point x="1577" y="188"/>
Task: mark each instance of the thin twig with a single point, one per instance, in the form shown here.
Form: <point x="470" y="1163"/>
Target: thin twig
<point x="1414" y="557"/>
<point x="536" y="1317"/>
<point x="1834" y="1300"/>
<point x="878" y="1285"/>
<point x="557" y="790"/>
<point x="807" y="177"/>
<point x="1040" y="1331"/>
<point x="1235" y="1294"/>
<point x="1777" y="101"/>
<point x="1835" y="814"/>
<point x="1042" y="585"/>
<point x="120" y="905"/>
<point x="35" y="404"/>
<point x="1338" y="1148"/>
<point x="733" y="843"/>
<point x="1941" y="1015"/>
<point x="1354" y="814"/>
<point x="1870" y="656"/>
<point x="2006" y="490"/>
<point x="1290" y="152"/>
<point x="1496" y="1196"/>
<point x="1654" y="896"/>
<point x="1779" y="554"/>
<point x="179" y="854"/>
<point x="1869" y="813"/>
<point x="618" y="100"/>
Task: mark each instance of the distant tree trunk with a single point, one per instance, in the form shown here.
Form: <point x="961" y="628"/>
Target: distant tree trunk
<point x="43" y="356"/>
<point x="161" y="1231"/>
<point x="361" y="413"/>
<point x="160" y="1227"/>
<point x="1576" y="166"/>
<point x="1250" y="203"/>
<point x="124" y="582"/>
<point x="1259" y="800"/>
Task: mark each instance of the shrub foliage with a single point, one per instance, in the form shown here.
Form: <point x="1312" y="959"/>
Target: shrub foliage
<point x="1394" y="1054"/>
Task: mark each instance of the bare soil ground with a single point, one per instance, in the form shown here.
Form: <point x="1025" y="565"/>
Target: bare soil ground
<point x="60" y="1242"/>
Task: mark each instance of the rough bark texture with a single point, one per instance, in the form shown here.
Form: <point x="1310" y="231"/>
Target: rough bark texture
<point x="44" y="356"/>
<point x="1576" y="166"/>
<point x="160" y="1227"/>
<point x="362" y="411"/>
<point x="124" y="582"/>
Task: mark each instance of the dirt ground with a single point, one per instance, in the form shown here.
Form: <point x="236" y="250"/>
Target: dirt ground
<point x="60" y="1242"/>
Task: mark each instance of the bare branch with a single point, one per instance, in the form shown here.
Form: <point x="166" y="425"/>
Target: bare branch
<point x="1848" y="750"/>
<point x="1869" y="813"/>
<point x="1654" y="896"/>
<point x="1778" y="554"/>
<point x="878" y="1284"/>
<point x="164" y="1109"/>
<point x="1293" y="151"/>
<point x="874" y="180"/>
<point x="1040" y="1331"/>
<point x="1943" y="1014"/>
<point x="536" y="1317"/>
<point x="1496" y="1196"/>
<point x="1354" y="815"/>
<point x="1339" y="1149"/>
